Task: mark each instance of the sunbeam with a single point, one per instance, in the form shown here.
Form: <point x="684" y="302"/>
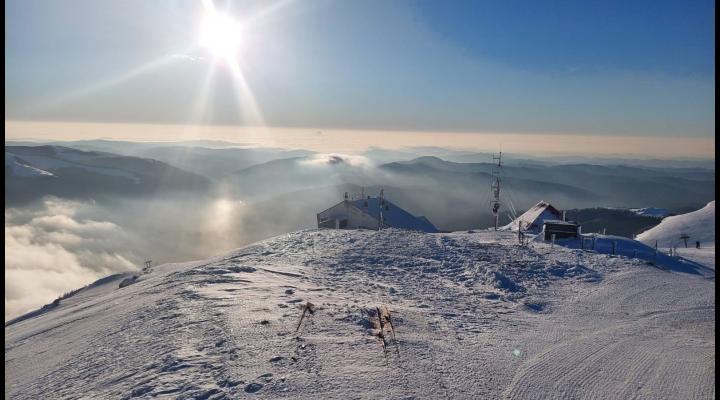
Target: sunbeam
<point x="247" y="105"/>
<point x="221" y="35"/>
<point x="201" y="109"/>
<point x="265" y="12"/>
<point x="200" y="113"/>
<point x="79" y="93"/>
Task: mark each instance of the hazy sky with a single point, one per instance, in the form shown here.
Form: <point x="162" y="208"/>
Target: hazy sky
<point x="358" y="140"/>
<point x="615" y="68"/>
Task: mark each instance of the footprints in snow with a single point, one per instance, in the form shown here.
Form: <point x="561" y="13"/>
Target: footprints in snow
<point x="253" y="387"/>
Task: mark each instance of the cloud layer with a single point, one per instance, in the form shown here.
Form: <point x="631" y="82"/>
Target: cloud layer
<point x="53" y="249"/>
<point x="335" y="158"/>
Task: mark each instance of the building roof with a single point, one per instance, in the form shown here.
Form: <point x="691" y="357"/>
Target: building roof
<point x="536" y="215"/>
<point x="559" y="222"/>
<point x="393" y="215"/>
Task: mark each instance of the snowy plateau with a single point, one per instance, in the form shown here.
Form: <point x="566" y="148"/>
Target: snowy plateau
<point x="385" y="314"/>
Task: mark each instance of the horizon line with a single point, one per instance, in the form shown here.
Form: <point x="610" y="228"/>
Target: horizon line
<point x="354" y="140"/>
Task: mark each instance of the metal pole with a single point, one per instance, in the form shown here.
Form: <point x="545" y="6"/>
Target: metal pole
<point x="520" y="236"/>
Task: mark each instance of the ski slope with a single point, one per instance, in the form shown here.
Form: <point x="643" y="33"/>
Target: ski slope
<point x="698" y="225"/>
<point x="474" y="316"/>
<point x="654" y="212"/>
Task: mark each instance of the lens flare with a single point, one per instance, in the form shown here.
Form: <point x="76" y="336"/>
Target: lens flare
<point x="220" y="34"/>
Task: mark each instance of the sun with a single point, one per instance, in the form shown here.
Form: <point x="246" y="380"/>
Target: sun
<point x="221" y="35"/>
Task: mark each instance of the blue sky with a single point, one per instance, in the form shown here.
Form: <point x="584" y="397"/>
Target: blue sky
<point x="570" y="67"/>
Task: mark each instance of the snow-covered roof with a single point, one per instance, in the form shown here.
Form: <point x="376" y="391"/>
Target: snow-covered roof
<point x="559" y="222"/>
<point x="393" y="215"/>
<point x="534" y="218"/>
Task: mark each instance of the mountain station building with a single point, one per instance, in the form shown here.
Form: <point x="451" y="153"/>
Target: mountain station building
<point x="371" y="213"/>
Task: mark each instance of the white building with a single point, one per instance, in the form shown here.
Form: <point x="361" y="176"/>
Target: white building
<point x="371" y="213"/>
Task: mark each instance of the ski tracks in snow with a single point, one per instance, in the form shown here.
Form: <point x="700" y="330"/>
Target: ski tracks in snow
<point x="610" y="345"/>
<point x="474" y="314"/>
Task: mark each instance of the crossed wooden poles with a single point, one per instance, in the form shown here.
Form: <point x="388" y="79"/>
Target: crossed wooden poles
<point x="385" y="323"/>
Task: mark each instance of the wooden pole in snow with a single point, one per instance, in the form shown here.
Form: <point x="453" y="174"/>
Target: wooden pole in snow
<point x="520" y="233"/>
<point x="307" y="307"/>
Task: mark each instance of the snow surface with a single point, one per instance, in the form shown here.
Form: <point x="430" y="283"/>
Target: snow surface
<point x="704" y="255"/>
<point x="621" y="246"/>
<point x="475" y="316"/>
<point x="654" y="212"/>
<point x="699" y="225"/>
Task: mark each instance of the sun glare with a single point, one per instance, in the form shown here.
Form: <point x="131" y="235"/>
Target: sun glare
<point x="220" y="34"/>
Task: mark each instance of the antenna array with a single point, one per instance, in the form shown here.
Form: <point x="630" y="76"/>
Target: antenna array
<point x="495" y="187"/>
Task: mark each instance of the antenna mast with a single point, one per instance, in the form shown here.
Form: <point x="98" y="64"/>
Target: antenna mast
<point x="381" y="205"/>
<point x="148" y="266"/>
<point x="495" y="186"/>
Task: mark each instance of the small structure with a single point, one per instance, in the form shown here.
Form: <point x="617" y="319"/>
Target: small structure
<point x="371" y="213"/>
<point x="684" y="237"/>
<point x="561" y="229"/>
<point x="533" y="219"/>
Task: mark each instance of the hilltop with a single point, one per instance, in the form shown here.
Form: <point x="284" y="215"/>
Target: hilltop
<point x="474" y="315"/>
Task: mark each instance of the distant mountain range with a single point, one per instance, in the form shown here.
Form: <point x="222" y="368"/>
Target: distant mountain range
<point x="454" y="195"/>
<point x="576" y="185"/>
<point x="33" y="172"/>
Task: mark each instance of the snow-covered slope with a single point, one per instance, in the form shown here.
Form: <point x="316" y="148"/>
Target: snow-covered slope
<point x="698" y="225"/>
<point x="473" y="315"/>
<point x="16" y="166"/>
<point x="654" y="212"/>
<point x="47" y="158"/>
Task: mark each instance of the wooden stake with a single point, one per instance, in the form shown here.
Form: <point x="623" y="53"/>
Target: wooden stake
<point x="307" y="307"/>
